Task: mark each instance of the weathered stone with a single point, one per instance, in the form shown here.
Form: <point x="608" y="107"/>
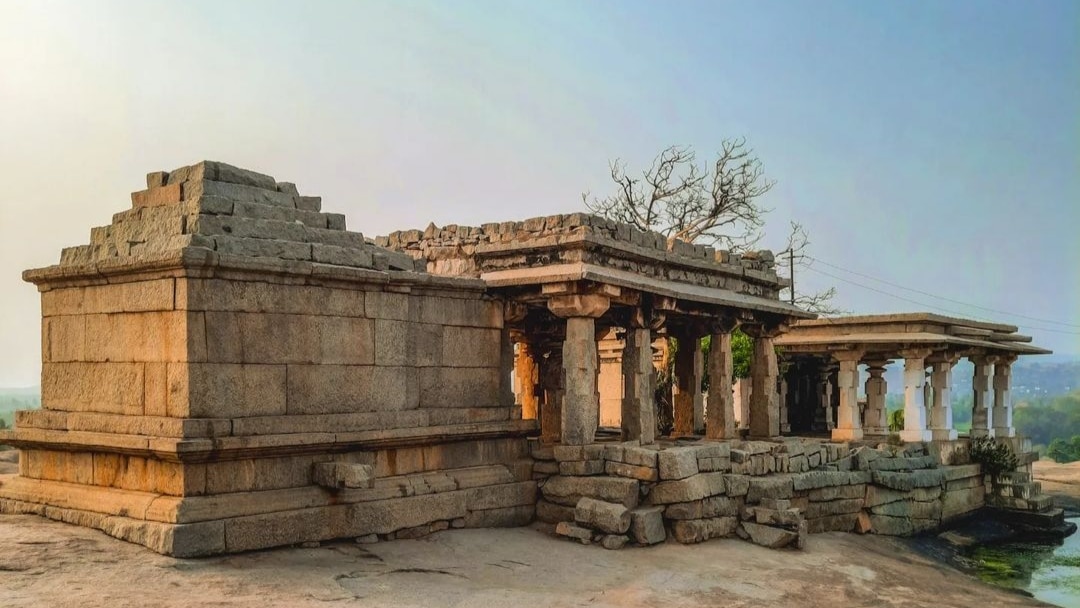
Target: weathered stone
<point x="896" y="481"/>
<point x="566" y="453"/>
<point x="614" y="541"/>
<point x="622" y="469"/>
<point x="832" y="523"/>
<point x="715" y="506"/>
<point x="779" y="486"/>
<point x="553" y="513"/>
<point x="647" y="525"/>
<point x="581" y="467"/>
<point x="337" y="475"/>
<point x="834" y="507"/>
<point x="677" y="463"/>
<point x="607" y="517"/>
<point x="568" y="490"/>
<point x="696" y="487"/>
<point x="700" y="530"/>
<point x="876" y="495"/>
<point x="569" y="530"/>
<point x="787" y="518"/>
<point x="504" y="517"/>
<point x="837" y="493"/>
<point x="737" y="485"/>
<point x="768" y="536"/>
<point x="811" y="480"/>
<point x="891" y="526"/>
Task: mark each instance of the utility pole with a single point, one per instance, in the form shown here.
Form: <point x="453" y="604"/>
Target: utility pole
<point x="791" y="261"/>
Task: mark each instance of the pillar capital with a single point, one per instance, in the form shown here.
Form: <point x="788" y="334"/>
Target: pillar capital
<point x="764" y="330"/>
<point x="983" y="359"/>
<point x="723" y="324"/>
<point x="847" y="356"/>
<point x="944" y="356"/>
<point x="579" y="305"/>
<point x="916" y="353"/>
<point x="514" y="312"/>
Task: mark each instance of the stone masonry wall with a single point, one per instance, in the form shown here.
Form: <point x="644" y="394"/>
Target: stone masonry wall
<point x="771" y="493"/>
<point x="225" y="368"/>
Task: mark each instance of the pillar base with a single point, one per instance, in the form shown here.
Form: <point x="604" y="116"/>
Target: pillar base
<point x="981" y="433"/>
<point x="916" y="436"/>
<point x="944" y="434"/>
<point x="847" y="434"/>
<point x="875" y="430"/>
<point x="785" y="428"/>
<point x="1004" y="432"/>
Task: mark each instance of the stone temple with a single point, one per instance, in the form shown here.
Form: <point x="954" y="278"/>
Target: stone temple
<point x="225" y="367"/>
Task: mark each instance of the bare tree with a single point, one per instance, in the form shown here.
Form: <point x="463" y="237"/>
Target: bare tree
<point x="715" y="203"/>
<point x="794" y="256"/>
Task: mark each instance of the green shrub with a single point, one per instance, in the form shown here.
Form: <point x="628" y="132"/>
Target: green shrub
<point x="896" y="421"/>
<point x="995" y="458"/>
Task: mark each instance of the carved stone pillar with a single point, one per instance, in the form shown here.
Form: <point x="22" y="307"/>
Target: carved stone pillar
<point x="782" y="389"/>
<point x="848" y="421"/>
<point x="877" y="419"/>
<point x="982" y="420"/>
<point x="687" y="399"/>
<point x="581" y="400"/>
<point x="914" y="396"/>
<point x="639" y="398"/>
<point x="550" y="371"/>
<point x="825" y="394"/>
<point x="1003" y="410"/>
<point x="764" y="401"/>
<point x="720" y="423"/>
<point x="941" y="422"/>
<point x="526" y="377"/>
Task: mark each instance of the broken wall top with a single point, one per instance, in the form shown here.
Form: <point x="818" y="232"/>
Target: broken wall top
<point x="581" y="237"/>
<point x="210" y="213"/>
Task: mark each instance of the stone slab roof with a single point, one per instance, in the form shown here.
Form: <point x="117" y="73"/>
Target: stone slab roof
<point x="590" y="272"/>
<point x="897" y="331"/>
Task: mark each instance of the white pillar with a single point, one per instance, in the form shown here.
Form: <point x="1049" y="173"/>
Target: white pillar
<point x="848" y="422"/>
<point x="941" y="422"/>
<point x="914" y="396"/>
<point x="982" y="420"/>
<point x="1002" y="416"/>
<point x="877" y="420"/>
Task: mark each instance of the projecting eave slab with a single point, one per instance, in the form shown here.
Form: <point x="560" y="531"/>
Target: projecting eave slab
<point x="589" y="272"/>
<point x="806" y="342"/>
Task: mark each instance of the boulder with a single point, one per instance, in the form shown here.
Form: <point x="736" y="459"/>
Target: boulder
<point x="569" y="530"/>
<point x="614" y="541"/>
<point x="647" y="525"/>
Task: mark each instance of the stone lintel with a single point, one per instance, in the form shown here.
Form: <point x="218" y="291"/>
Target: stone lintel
<point x="916" y="353"/>
<point x="579" y="305"/>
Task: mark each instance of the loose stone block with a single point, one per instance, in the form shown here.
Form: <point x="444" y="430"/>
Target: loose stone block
<point x="832" y="523"/>
<point x="614" y="541"/>
<point x="696" y="487"/>
<point x="700" y="530"/>
<point x="647" y="525"/>
<point x="767" y="536"/>
<point x="506" y="517"/>
<point x="607" y="517"/>
<point x="837" y="493"/>
<point x="568" y="490"/>
<point x="770" y="487"/>
<point x="569" y="530"/>
<point x="677" y="463"/>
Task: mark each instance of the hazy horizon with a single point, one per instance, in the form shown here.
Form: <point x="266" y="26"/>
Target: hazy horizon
<point x="932" y="145"/>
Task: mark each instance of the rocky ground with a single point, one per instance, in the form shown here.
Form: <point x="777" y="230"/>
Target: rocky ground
<point x="45" y="563"/>
<point x="1060" y="480"/>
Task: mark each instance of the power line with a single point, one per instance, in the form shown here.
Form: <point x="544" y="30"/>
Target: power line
<point x="916" y="302"/>
<point x="925" y="293"/>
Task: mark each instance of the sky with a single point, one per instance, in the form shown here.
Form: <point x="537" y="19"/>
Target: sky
<point x="932" y="145"/>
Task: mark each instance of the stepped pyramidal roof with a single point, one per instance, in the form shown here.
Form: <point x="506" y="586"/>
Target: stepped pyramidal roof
<point x="234" y="212"/>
